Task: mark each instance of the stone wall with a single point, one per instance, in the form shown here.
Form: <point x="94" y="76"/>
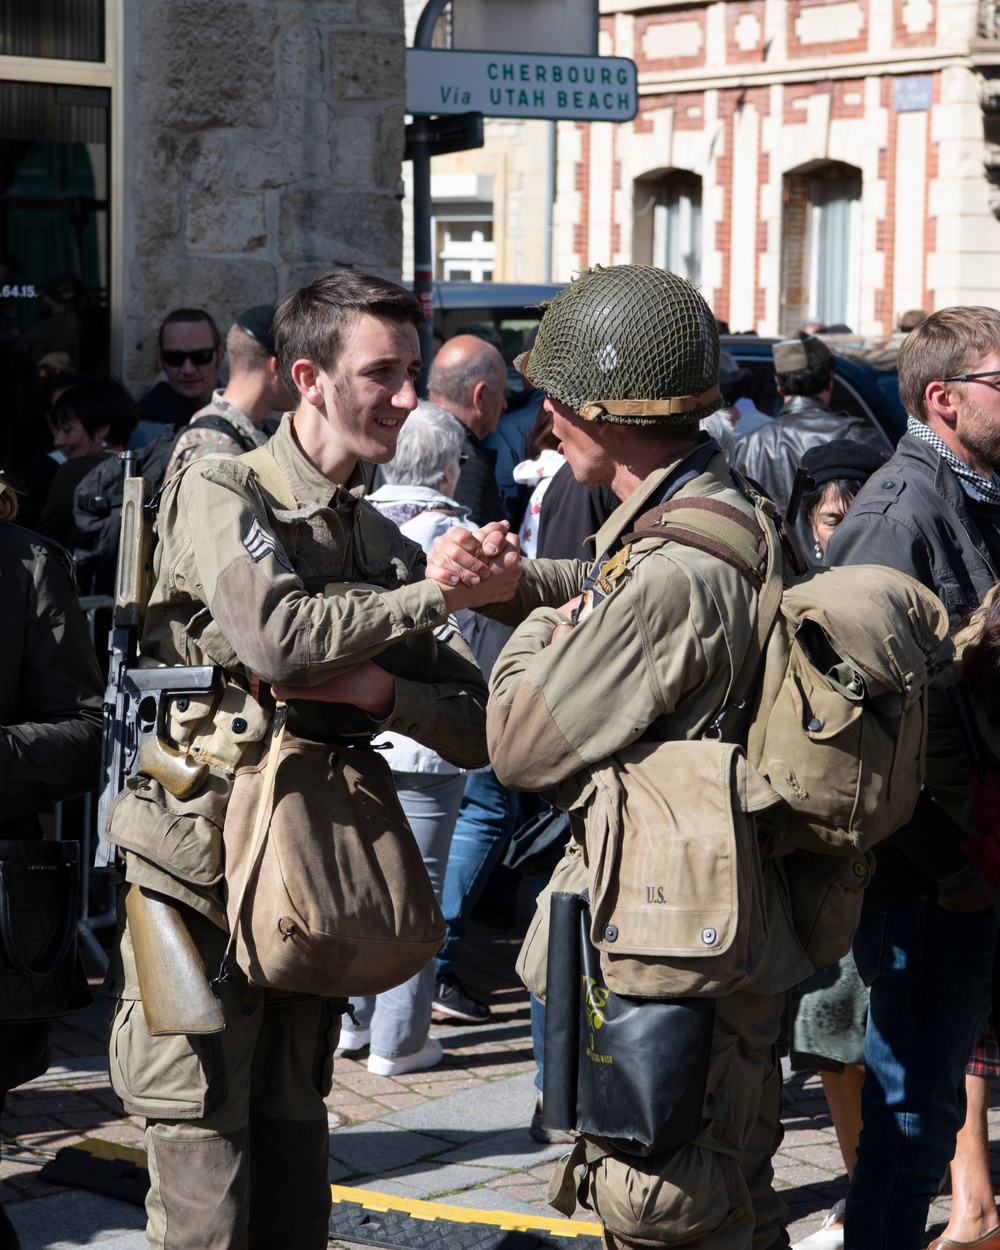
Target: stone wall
<point x="263" y="142"/>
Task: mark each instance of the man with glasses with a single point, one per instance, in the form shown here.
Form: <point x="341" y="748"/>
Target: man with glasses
<point x="189" y="351"/>
<point x="926" y="939"/>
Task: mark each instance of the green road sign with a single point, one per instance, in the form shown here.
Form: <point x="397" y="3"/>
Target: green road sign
<point x="521" y="84"/>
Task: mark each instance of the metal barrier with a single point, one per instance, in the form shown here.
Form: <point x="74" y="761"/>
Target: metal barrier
<point x="91" y="604"/>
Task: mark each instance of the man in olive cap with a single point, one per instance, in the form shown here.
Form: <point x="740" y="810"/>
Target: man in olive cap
<point x="233" y="420"/>
<point x="645" y="646"/>
<point x="803" y="372"/>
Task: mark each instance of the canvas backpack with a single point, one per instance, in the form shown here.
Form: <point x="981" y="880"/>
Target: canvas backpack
<point x="831" y="701"/>
<point x="97" y="501"/>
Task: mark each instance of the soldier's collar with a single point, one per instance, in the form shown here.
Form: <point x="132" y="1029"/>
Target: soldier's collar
<point x="302" y="475"/>
<point x="620" y="521"/>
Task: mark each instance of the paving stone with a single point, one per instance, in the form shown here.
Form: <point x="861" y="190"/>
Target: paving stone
<point x="436" y="1181"/>
<point x="515" y="1149"/>
<point x="501" y="1105"/>
<point x="379" y="1148"/>
<point x="83" y="1219"/>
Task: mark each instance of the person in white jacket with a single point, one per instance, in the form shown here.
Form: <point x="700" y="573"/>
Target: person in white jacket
<point x="418" y="495"/>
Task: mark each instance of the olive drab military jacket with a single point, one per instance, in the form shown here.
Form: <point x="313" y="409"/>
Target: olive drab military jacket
<point x="654" y="659"/>
<point x="250" y="569"/>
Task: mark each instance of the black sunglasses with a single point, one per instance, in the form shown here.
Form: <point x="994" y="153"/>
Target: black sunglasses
<point x="971" y="377"/>
<point x="200" y="356"/>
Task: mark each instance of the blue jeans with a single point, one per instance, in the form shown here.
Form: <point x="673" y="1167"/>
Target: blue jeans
<point x="485" y="823"/>
<point x="930" y="976"/>
<point x="400" y="1018"/>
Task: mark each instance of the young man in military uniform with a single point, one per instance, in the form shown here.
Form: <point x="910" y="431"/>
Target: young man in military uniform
<point x="247" y="568"/>
<point x="628" y="358"/>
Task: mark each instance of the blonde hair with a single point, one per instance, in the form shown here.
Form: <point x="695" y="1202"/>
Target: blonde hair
<point x="8" y="500"/>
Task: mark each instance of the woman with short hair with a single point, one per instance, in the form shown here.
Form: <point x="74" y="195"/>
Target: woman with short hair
<point x="418" y="495"/>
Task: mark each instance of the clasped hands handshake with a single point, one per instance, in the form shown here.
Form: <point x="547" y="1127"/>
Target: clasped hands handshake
<point x="472" y="567"/>
<point x="475" y="567"/>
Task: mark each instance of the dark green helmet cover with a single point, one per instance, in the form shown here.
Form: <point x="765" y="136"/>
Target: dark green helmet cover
<point x="630" y="344"/>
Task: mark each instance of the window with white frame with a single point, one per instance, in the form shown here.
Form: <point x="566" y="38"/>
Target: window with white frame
<point x="667" y="222"/>
<point x="821" y="247"/>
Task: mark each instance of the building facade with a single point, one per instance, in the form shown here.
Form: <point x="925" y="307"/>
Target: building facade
<point x="801" y="160"/>
<point x="156" y="156"/>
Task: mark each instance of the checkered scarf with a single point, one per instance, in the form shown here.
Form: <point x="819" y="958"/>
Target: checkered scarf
<point x="971" y="482"/>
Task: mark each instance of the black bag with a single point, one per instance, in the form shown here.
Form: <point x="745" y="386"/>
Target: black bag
<point x="41" y="977"/>
<point x="631" y="1071"/>
<point x="537" y="845"/>
<point x="97" y="501"/>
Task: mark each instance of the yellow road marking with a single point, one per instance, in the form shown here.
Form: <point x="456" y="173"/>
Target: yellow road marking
<point x="421" y="1210"/>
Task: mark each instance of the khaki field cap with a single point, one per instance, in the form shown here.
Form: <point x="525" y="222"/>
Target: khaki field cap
<point x="629" y="344"/>
<point x="805" y="352"/>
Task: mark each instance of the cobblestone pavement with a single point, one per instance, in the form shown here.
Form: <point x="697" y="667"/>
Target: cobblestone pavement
<point x="457" y="1133"/>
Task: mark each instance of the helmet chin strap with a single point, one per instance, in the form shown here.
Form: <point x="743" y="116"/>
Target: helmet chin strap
<point x="647" y="409"/>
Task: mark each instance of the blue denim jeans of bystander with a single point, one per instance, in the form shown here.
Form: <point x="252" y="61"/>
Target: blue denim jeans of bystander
<point x="929" y="972"/>
<point x="485" y="823"/>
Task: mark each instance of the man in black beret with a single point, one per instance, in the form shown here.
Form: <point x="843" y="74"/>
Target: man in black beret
<point x="803" y="373"/>
<point x="233" y="421"/>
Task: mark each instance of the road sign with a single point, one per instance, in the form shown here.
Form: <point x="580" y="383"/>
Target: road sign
<point x="521" y="84"/>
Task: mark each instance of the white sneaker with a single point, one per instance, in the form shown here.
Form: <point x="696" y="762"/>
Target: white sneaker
<point x="825" y="1237"/>
<point x="353" y="1041"/>
<point x="428" y="1056"/>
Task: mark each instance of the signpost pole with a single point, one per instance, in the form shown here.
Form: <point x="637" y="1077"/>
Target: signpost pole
<point x="423" y="247"/>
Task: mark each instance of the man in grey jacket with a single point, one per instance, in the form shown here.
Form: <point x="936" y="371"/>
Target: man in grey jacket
<point x="926" y="939"/>
<point x="803" y="372"/>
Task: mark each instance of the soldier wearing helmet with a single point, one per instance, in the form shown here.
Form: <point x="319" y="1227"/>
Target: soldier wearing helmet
<point x="645" y="647"/>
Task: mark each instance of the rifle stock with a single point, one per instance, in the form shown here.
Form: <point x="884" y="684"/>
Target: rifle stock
<point x="176" y="996"/>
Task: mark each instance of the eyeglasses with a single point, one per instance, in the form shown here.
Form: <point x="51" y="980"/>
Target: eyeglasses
<point x="200" y="356"/>
<point x="972" y="377"/>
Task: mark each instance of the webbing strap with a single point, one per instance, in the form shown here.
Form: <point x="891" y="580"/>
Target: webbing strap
<point x="723" y="531"/>
<point x="270" y="476"/>
<point x="714" y="527"/>
<point x="598" y="408"/>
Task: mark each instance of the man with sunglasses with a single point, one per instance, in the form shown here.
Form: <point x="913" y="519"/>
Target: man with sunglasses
<point x="927" y="934"/>
<point x="233" y="420"/>
<point x="190" y="352"/>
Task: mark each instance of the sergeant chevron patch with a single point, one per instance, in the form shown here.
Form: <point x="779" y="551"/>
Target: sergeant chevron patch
<point x="260" y="543"/>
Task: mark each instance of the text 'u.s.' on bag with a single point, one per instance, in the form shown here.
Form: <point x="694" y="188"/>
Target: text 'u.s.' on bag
<point x="629" y="1071"/>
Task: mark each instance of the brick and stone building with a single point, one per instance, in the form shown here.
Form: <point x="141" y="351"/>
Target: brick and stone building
<point x="834" y="161"/>
<point x="827" y="160"/>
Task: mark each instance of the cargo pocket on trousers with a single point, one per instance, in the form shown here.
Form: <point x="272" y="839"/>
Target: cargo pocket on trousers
<point x="670" y="1199"/>
<point x="163" y="1078"/>
<point x="720" y="1094"/>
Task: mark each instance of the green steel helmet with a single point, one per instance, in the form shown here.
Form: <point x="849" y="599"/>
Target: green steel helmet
<point x="630" y="344"/>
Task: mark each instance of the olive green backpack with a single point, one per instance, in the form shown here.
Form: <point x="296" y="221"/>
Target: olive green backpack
<point x="832" y="698"/>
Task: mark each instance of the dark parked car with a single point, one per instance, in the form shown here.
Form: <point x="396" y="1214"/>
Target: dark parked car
<point x="865" y="381"/>
<point x="503" y="312"/>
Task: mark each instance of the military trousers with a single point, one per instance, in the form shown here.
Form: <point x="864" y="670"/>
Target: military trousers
<point x="694" y="1196"/>
<point x="237" y="1133"/>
